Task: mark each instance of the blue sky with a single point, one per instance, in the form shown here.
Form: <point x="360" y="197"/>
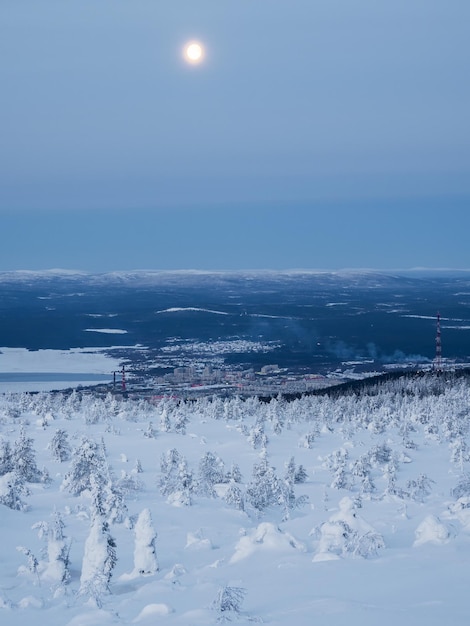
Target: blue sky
<point x="321" y="134"/>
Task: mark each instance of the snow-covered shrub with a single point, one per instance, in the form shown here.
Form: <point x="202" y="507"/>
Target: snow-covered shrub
<point x="361" y="467"/>
<point x="228" y="602"/>
<point x="150" y="432"/>
<point x="380" y="455"/>
<point x="292" y="472"/>
<point x="463" y="487"/>
<point x="33" y="563"/>
<point x="266" y="537"/>
<point x="420" y="488"/>
<point x="346" y="533"/>
<point x="431" y="530"/>
<point x="307" y="440"/>
<point x="129" y="483"/>
<point x="12" y="487"/>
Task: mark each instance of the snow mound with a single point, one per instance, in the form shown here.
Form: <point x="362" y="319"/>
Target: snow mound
<point x="94" y="618"/>
<point x="197" y="541"/>
<point x="460" y="510"/>
<point x="176" y="571"/>
<point x="30" y="602"/>
<point x="266" y="537"/>
<point x="431" y="530"/>
<point x="152" y="610"/>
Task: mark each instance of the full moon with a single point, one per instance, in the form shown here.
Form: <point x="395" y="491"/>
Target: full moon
<point x="193" y="52"/>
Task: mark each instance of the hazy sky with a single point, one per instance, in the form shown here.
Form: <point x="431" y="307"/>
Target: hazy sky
<point x="316" y="133"/>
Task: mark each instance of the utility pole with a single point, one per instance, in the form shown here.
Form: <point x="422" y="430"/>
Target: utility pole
<point x="438" y="358"/>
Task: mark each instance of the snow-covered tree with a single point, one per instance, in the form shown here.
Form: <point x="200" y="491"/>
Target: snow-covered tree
<point x="265" y="488"/>
<point x="294" y="474"/>
<point x="337" y="463"/>
<point x="380" y="455"/>
<point x="234" y="496"/>
<point x="181" y="420"/>
<point x="460" y="453"/>
<point x="165" y="423"/>
<point x="87" y="461"/>
<point x="6" y="457"/>
<point x="257" y="436"/>
<point x="107" y="499"/>
<point x="234" y="474"/>
<point x="308" y="440"/>
<point x="182" y="495"/>
<point x="33" y="563"/>
<point x="169" y="464"/>
<point x="56" y="568"/>
<point x="24" y="458"/>
<point x="211" y="471"/>
<point x="145" y="556"/>
<point x="150" y="432"/>
<point x="99" y="560"/>
<point x="176" y="480"/>
<point x="60" y="446"/>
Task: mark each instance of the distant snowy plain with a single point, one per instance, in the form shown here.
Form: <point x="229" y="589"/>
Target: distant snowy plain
<point x="375" y="530"/>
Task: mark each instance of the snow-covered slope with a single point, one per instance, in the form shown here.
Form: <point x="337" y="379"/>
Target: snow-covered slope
<point x="331" y="511"/>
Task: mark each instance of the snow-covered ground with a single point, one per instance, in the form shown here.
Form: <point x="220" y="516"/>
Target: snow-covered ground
<point x="327" y="511"/>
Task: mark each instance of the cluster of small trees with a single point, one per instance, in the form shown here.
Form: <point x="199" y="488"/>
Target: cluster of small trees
<point x="266" y="489"/>
<point x="18" y="468"/>
<point x="90" y="474"/>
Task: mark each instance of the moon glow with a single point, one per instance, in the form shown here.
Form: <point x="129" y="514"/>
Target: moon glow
<point x="193" y="52"/>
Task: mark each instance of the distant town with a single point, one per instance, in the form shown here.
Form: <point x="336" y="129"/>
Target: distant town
<point x="270" y="380"/>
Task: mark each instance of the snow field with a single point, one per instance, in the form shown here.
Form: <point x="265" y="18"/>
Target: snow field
<point x="348" y="554"/>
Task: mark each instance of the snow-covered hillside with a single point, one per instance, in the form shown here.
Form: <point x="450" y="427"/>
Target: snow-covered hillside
<point x="344" y="510"/>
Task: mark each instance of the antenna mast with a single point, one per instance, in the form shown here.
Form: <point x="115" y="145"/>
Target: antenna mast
<point x="438" y="359"/>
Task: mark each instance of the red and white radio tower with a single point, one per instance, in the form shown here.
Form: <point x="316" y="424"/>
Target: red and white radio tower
<point x="438" y="359"/>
